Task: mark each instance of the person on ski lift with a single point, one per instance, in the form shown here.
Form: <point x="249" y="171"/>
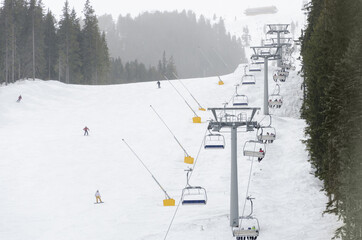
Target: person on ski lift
<point x="273" y="135"/>
<point x="275" y="77"/>
<point x="86" y="129"/>
<point x="267" y="141"/>
<point x="98" y="197"/>
<point x="158" y="84"/>
<point x="261" y="158"/>
<point x="19" y="98"/>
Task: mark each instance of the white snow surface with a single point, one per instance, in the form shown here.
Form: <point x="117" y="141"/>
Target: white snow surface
<point x="49" y="171"/>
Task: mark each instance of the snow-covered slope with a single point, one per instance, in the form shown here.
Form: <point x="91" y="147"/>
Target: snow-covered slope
<point x="49" y="171"/>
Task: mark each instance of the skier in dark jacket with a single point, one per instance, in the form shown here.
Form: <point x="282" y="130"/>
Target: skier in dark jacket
<point x="158" y="84"/>
<point x="19" y="98"/>
<point x="86" y="129"/>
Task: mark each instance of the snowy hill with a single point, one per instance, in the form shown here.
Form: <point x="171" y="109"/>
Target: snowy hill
<point x="49" y="171"/>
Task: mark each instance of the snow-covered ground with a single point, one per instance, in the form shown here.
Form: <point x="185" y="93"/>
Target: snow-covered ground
<point x="49" y="171"/>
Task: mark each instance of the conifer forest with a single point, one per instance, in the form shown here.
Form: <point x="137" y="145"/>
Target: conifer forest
<point x="332" y="69"/>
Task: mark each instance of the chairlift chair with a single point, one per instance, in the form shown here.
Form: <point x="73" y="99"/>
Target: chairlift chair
<point x="283" y="73"/>
<point x="249" y="226"/>
<point x="252" y="149"/>
<point x="266" y="134"/>
<point x="248" y="229"/>
<point x="275" y="100"/>
<point x="277" y="76"/>
<point x="254" y="67"/>
<point x="240" y="100"/>
<point x="268" y="42"/>
<point x="248" y="80"/>
<point x="193" y="195"/>
<point x="214" y="141"/>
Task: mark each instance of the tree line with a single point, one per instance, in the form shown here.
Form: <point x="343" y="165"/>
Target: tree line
<point x="134" y="71"/>
<point x="33" y="44"/>
<point x="199" y="46"/>
<point x="332" y="108"/>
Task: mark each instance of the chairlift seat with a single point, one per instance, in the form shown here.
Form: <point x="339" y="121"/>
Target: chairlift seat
<point x="193" y="202"/>
<point x="270" y="137"/>
<point x="248" y="79"/>
<point x="245" y="233"/>
<point x="194" y="195"/>
<point x="254" y="68"/>
<point x="240" y="104"/>
<point x="275" y="103"/>
<point x="248" y="83"/>
<point x="250" y="153"/>
<point x="214" y="141"/>
<point x="283" y="73"/>
<point x="240" y="100"/>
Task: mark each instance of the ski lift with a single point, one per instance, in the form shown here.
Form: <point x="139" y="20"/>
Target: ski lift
<point x="214" y="141"/>
<point x="266" y="134"/>
<point x="283" y="73"/>
<point x="240" y="100"/>
<point x="248" y="79"/>
<point x="275" y="100"/>
<point x="254" y="149"/>
<point x="277" y="77"/>
<point x="268" y="42"/>
<point x="254" y="67"/>
<point x="193" y="195"/>
<point x="249" y="226"/>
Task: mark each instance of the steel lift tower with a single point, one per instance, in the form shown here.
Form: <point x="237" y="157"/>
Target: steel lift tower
<point x="278" y="29"/>
<point x="267" y="53"/>
<point x="233" y="118"/>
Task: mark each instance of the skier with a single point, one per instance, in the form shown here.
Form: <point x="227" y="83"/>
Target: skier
<point x="98" y="197"/>
<point x="158" y="84"/>
<point x="86" y="129"/>
<point x="19" y="98"/>
<point x="261" y="158"/>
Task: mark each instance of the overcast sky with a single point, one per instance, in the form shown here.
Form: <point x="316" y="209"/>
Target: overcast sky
<point x="134" y="7"/>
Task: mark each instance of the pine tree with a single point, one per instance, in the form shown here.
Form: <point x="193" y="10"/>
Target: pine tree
<point x="51" y="45"/>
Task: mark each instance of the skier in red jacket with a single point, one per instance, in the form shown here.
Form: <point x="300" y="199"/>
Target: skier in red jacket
<point x="86" y="129"/>
<point x="261" y="151"/>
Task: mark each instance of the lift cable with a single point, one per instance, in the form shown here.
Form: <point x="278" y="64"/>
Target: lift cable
<point x="247" y="189"/>
<point x="189" y="176"/>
